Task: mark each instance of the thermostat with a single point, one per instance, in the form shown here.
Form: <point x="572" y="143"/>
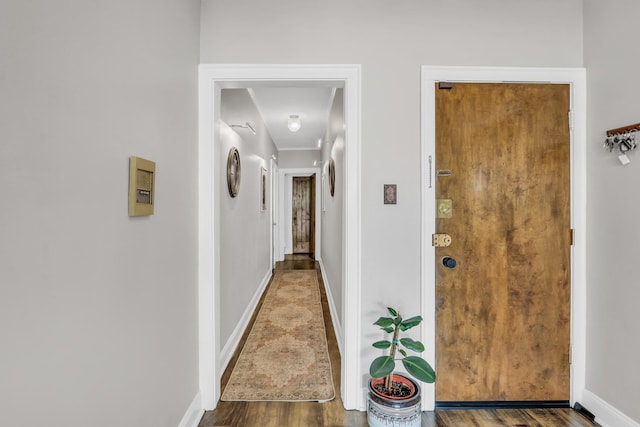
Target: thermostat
<point x="142" y="175"/>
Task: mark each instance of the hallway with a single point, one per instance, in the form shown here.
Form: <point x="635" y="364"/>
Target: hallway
<point x="280" y="414"/>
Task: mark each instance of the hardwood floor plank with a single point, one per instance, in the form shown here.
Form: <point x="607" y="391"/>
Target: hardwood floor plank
<point x="511" y="417"/>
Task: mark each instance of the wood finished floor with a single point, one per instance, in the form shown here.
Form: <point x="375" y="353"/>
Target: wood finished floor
<point x="332" y="414"/>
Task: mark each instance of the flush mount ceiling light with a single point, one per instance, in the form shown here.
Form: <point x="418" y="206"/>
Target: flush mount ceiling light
<point x="294" y="123"/>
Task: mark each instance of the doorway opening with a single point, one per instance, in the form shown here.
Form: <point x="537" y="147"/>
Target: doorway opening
<point x="212" y="79"/>
<point x="576" y="80"/>
<point x="302" y="215"/>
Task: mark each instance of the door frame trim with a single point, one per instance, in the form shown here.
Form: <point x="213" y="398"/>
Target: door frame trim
<point x="576" y="78"/>
<point x="275" y="210"/>
<point x="211" y="78"/>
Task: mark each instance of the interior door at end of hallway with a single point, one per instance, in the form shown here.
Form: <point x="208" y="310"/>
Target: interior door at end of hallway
<point x="503" y="186"/>
<point x="301" y="214"/>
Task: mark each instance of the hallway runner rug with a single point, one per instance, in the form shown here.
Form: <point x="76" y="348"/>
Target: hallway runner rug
<point x="285" y="357"/>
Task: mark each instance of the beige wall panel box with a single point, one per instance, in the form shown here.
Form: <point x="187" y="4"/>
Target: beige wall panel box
<point x="142" y="177"/>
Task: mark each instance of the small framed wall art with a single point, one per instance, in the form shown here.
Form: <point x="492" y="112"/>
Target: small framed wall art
<point x="263" y="189"/>
<point x="390" y="194"/>
<point x="142" y="174"/>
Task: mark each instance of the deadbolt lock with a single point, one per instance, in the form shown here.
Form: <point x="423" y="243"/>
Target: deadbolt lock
<point x="441" y="240"/>
<point x="444" y="208"/>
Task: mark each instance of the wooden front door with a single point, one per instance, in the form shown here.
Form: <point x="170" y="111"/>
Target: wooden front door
<point x="301" y="216"/>
<point x="503" y="190"/>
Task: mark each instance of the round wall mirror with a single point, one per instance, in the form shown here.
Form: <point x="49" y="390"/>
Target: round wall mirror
<point x="233" y="172"/>
<point x="332" y="177"/>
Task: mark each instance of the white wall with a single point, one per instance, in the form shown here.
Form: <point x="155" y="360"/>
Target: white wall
<point x="332" y="217"/>
<point x="245" y="230"/>
<point x="613" y="326"/>
<point x="392" y="40"/>
<point x="299" y="158"/>
<point x="98" y="311"/>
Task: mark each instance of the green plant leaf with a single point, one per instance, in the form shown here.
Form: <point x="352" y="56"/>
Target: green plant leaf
<point x="419" y="368"/>
<point x="412" y="345"/>
<point x="382" y="366"/>
<point x="397" y="320"/>
<point x="382" y="344"/>
<point x="392" y="311"/>
<point x="388" y="330"/>
<point x="410" y="323"/>
<point x="383" y="322"/>
<point x="402" y="352"/>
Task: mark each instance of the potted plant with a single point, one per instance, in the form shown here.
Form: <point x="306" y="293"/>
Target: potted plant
<point x="394" y="398"/>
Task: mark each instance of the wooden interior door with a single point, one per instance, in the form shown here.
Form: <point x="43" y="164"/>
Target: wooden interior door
<point x="503" y="311"/>
<point x="301" y="214"/>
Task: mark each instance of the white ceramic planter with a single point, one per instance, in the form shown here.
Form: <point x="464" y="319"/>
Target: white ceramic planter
<point x="384" y="412"/>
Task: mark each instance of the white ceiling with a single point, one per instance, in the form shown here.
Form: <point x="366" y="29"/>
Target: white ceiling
<point x="311" y="104"/>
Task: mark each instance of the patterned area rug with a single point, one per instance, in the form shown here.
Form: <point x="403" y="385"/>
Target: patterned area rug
<point x="285" y="357"/>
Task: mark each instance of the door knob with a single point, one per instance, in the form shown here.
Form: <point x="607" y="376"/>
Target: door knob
<point x="449" y="262"/>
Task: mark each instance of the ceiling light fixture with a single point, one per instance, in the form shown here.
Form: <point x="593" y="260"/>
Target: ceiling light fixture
<point x="294" y="123"/>
<point x="247" y="125"/>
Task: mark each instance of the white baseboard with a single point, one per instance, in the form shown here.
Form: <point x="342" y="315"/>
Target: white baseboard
<point x="194" y="413"/>
<point x="606" y="414"/>
<point x="232" y="343"/>
<point x="337" y="327"/>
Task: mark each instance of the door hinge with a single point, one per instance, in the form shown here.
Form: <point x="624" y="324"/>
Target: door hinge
<point x="440" y="240"/>
<point x="445" y="85"/>
<point x="572" y="237"/>
<point x="570" y="120"/>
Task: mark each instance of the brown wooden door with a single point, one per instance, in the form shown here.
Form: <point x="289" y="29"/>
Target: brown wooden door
<point x="301" y="214"/>
<point x="503" y="312"/>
